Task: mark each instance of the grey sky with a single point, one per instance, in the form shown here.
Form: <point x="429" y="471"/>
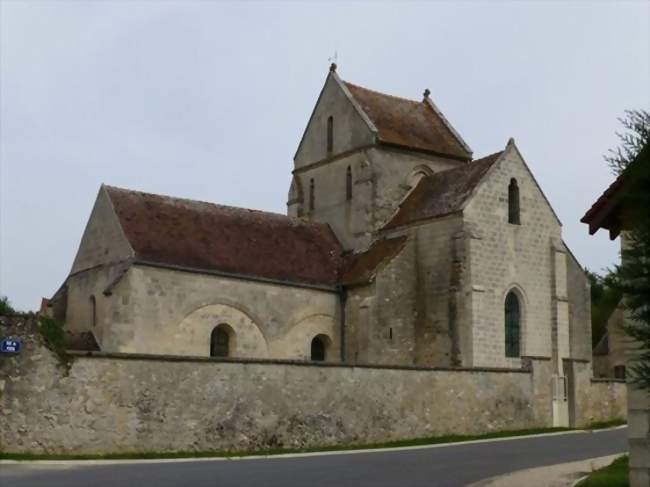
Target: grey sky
<point x="208" y="100"/>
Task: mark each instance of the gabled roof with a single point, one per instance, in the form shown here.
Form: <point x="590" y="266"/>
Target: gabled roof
<point x="411" y="124"/>
<point x="204" y="236"/>
<point x="360" y="268"/>
<point x="442" y="193"/>
<point x="607" y="211"/>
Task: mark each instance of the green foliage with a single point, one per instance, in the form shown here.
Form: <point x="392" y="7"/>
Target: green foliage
<point x="51" y="332"/>
<point x="614" y="475"/>
<point x="636" y="135"/>
<point x="600" y="425"/>
<point x="634" y="273"/>
<point x="605" y="296"/>
<point x="5" y="307"/>
<point x="632" y="161"/>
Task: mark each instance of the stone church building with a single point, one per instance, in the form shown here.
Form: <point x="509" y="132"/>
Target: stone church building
<point x="398" y="248"/>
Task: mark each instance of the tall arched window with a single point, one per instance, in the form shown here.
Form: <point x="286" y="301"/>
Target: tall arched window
<point x="312" y="196"/>
<point x="93" y="311"/>
<point x="318" y="349"/>
<point x="330" y="134"/>
<point x="513" y="325"/>
<point x="220" y="342"/>
<point x="348" y="184"/>
<point x="513" y="202"/>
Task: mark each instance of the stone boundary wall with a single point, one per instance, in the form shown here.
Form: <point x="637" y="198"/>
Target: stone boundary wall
<point x="597" y="400"/>
<point x="110" y="403"/>
<point x="116" y="403"/>
<point x="608" y="400"/>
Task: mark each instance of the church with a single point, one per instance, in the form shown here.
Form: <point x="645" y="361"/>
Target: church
<point x="399" y="248"/>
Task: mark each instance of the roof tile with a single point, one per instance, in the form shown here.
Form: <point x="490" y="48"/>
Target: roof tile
<point x="206" y="236"/>
<point x="408" y="123"/>
<point x="442" y="193"/>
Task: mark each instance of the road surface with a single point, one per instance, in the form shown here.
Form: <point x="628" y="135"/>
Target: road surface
<point x="454" y="465"/>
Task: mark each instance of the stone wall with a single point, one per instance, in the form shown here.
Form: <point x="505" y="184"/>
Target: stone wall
<point x="164" y="311"/>
<point x="435" y="277"/>
<point x="119" y="403"/>
<point x="595" y="400"/>
<point x="504" y="257"/>
<point x="617" y="342"/>
<point x="579" y="299"/>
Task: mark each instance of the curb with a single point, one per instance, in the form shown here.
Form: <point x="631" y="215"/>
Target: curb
<point x="298" y="455"/>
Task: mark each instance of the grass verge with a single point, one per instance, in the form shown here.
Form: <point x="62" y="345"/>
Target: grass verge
<point x="435" y="440"/>
<point x="614" y="475"/>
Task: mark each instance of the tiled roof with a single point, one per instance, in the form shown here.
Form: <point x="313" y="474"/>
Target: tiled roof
<point x="205" y="236"/>
<point x="442" y="193"/>
<point x="408" y="123"/>
<point x="361" y="267"/>
<point x="606" y="204"/>
<point x="607" y="211"/>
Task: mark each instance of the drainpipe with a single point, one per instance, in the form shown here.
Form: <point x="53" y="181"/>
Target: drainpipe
<point x="343" y="295"/>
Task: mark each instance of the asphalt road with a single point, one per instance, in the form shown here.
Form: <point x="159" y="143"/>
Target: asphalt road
<point x="442" y="466"/>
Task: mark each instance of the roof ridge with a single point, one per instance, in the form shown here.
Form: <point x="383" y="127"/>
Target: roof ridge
<point x="484" y="158"/>
<point x="469" y="166"/>
<point x="384" y="94"/>
<point x="218" y="205"/>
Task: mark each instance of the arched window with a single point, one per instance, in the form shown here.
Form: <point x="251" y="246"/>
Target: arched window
<point x="318" y="349"/>
<point x="330" y="134"/>
<point x="312" y="196"/>
<point x="513" y="202"/>
<point x="513" y="325"/>
<point x="220" y="342"/>
<point x="348" y="184"/>
<point x="93" y="311"/>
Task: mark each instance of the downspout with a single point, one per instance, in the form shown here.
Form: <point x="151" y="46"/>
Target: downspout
<point x="343" y="294"/>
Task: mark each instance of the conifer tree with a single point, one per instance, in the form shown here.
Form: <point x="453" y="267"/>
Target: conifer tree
<point x="632" y="162"/>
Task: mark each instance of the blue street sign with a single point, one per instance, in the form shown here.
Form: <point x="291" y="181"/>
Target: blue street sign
<point x="10" y="346"/>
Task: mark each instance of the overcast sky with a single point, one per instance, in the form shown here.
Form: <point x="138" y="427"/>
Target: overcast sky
<point x="208" y="100"/>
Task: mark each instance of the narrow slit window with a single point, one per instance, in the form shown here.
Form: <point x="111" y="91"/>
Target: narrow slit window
<point x="93" y="311"/>
<point x="513" y="202"/>
<point x="312" y="196"/>
<point x="348" y="184"/>
<point x="330" y="134"/>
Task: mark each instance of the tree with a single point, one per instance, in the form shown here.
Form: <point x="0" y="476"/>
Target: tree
<point x="5" y="307"/>
<point x="634" y="274"/>
<point x="633" y="139"/>
<point x="605" y="297"/>
<point x="632" y="162"/>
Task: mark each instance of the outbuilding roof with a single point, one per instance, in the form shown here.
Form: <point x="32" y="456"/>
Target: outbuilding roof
<point x="442" y="193"/>
<point x="409" y="123"/>
<point x="608" y="210"/>
<point x="207" y="237"/>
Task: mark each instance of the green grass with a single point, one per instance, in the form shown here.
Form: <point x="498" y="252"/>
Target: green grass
<point x="599" y="425"/>
<point x="435" y="440"/>
<point x="614" y="475"/>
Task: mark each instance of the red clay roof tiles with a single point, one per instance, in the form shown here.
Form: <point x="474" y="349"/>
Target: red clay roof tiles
<point x="408" y="123"/>
<point x="205" y="236"/>
<point x="361" y="267"/>
<point x="442" y="193"/>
